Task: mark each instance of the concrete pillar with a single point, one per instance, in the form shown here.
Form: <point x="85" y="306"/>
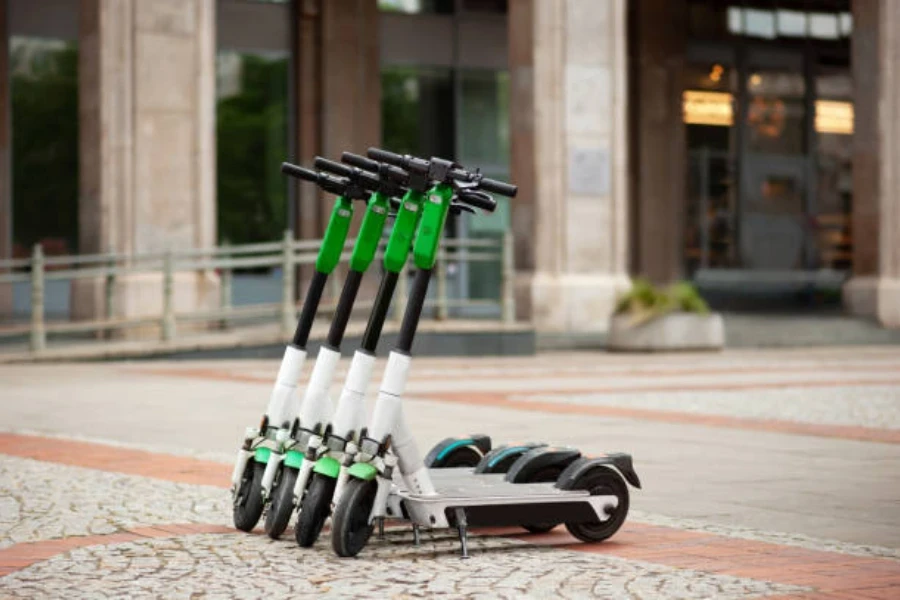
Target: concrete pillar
<point x="658" y="49"/>
<point x="147" y="136"/>
<point x="569" y="157"/>
<point x="339" y="95"/>
<point x="5" y="160"/>
<point x="874" y="289"/>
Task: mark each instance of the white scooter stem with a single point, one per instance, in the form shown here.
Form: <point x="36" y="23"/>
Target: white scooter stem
<point x="316" y="408"/>
<point x="387" y="418"/>
<point x="284" y="402"/>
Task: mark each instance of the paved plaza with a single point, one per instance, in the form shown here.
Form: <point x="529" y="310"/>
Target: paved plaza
<point x="767" y="473"/>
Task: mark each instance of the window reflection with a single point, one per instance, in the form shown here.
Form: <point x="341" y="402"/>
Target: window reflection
<point x="44" y="98"/>
<point x="251" y="128"/>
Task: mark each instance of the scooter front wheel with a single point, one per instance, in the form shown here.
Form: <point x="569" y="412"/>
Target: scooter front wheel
<point x="350" y="527"/>
<point x="282" y="503"/>
<point x="314" y="510"/>
<point x="248" y="505"/>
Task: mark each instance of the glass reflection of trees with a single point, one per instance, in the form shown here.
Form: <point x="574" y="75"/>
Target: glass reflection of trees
<point x="44" y="94"/>
<point x="251" y="122"/>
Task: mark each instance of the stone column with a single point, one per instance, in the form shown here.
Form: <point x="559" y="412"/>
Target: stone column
<point x="5" y="160"/>
<point x="659" y="172"/>
<point x="874" y="289"/>
<point x="339" y="96"/>
<point x="569" y="157"/>
<point x="147" y="136"/>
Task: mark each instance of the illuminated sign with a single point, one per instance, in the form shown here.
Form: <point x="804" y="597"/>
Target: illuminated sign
<point x="717" y="109"/>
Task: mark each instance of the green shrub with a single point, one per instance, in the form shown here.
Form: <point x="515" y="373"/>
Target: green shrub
<point x="645" y="302"/>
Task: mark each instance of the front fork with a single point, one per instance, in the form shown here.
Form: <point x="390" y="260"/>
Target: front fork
<point x="306" y="467"/>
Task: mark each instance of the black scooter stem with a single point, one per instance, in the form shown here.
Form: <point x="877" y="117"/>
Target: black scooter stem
<point x="310" y="306"/>
<point x="344" y="308"/>
<point x="379" y="311"/>
<point x="413" y="311"/>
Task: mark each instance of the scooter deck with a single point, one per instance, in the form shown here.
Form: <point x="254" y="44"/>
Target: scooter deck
<point x="491" y="500"/>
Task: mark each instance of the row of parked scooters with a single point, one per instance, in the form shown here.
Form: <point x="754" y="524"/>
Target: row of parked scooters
<point x="321" y="460"/>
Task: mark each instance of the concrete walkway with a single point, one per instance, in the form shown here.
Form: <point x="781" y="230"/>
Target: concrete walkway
<point x="766" y="473"/>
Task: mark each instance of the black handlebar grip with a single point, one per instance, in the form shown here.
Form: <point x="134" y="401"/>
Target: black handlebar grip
<point x="386" y="157"/>
<point x="360" y="162"/>
<point x="323" y="164"/>
<point x="498" y="187"/>
<point x="299" y="172"/>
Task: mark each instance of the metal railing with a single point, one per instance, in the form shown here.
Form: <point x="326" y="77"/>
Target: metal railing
<point x="286" y="254"/>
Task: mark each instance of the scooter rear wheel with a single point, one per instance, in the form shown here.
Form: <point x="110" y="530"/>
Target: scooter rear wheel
<point x="464" y="456"/>
<point x="282" y="503"/>
<point x="544" y="475"/>
<point x="248" y="505"/>
<point x="314" y="510"/>
<point x="602" y="482"/>
<point x="350" y="526"/>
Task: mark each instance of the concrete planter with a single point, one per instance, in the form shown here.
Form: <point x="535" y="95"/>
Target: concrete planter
<point x="672" y="332"/>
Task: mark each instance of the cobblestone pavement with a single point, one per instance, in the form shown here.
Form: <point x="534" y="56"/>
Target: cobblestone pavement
<point x="767" y="474"/>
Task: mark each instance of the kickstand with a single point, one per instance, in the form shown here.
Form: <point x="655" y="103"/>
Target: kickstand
<point x="416" y="535"/>
<point x="381" y="528"/>
<point x="461" y="525"/>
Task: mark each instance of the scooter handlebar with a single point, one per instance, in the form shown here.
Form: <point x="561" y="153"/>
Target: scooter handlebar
<point x="387" y="157"/>
<point x="498" y="187"/>
<point x="360" y="162"/>
<point x="323" y="164"/>
<point x="299" y="172"/>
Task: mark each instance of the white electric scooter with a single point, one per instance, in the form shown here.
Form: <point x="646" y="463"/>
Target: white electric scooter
<point x="590" y="495"/>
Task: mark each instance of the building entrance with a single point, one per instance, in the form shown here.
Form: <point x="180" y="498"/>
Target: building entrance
<point x="768" y="115"/>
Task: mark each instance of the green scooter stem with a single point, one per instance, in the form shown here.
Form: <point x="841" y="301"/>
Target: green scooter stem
<point x="363" y="253"/>
<point x="327" y="259"/>
<point x="395" y="257"/>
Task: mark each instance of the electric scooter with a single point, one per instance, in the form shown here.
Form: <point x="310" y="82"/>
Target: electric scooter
<point x="259" y="443"/>
<point x="590" y="495"/>
<point x="285" y="467"/>
<point x="335" y="452"/>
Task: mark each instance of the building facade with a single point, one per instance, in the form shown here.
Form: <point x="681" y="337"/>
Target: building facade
<point x="746" y="145"/>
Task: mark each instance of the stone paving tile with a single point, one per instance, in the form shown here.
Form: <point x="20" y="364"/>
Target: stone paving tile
<point x="251" y="566"/>
<point x="38" y="502"/>
<point x="865" y="406"/>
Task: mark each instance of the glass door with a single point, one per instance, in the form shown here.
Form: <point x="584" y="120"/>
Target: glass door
<point x="774" y="165"/>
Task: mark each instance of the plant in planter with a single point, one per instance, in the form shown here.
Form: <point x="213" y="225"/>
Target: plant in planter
<point x="648" y="318"/>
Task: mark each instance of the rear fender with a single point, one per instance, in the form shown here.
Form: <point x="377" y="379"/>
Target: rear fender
<point x="501" y="458"/>
<point x="538" y="459"/>
<point x="443" y="449"/>
<point x="618" y="460"/>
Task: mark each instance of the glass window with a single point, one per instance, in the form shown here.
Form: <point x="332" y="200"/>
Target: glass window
<point x="252" y="129"/>
<point x="44" y="94"/>
<point x="417" y="110"/>
<point x="416" y="6"/>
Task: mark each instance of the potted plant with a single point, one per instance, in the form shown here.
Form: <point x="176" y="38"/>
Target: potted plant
<point x="651" y="319"/>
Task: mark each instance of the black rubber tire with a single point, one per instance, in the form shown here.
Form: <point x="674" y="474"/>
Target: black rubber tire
<point x="314" y="510"/>
<point x="350" y="529"/>
<point x="249" y="505"/>
<point x="601" y="481"/>
<point x="464" y="456"/>
<point x="282" y="506"/>
<point x="545" y="475"/>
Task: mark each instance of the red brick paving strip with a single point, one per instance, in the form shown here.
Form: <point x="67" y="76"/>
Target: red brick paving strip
<point x="20" y="556"/>
<point x="115" y="459"/>
<point x="522" y="401"/>
<point x="835" y="576"/>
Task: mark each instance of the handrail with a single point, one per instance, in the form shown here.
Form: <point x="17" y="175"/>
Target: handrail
<point x="286" y="254"/>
